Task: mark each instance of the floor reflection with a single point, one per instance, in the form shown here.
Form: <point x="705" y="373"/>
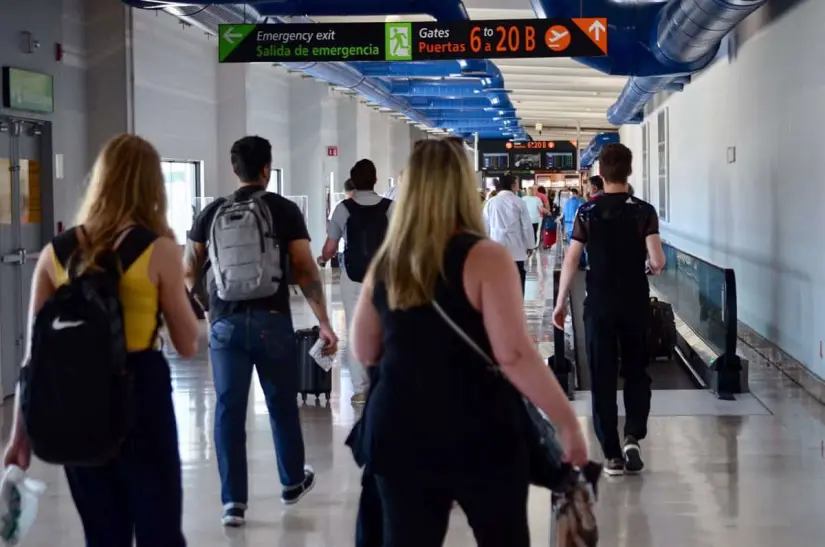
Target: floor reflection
<point x="719" y="476"/>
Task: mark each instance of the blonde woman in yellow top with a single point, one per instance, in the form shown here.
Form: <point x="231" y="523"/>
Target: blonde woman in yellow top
<point x="137" y="496"/>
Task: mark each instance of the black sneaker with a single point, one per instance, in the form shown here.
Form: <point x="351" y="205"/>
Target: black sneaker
<point x="633" y="456"/>
<point x="293" y="494"/>
<point x="233" y="515"/>
<point x="614" y="467"/>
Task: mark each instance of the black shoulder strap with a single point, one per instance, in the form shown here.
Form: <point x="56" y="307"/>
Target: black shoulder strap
<point x="64" y="245"/>
<point x="133" y="245"/>
<point x="351" y="206"/>
<point x="137" y="240"/>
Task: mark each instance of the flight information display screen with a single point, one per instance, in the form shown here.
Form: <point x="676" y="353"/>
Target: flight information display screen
<point x="496" y="161"/>
<point x="560" y="161"/>
<point x="527" y="156"/>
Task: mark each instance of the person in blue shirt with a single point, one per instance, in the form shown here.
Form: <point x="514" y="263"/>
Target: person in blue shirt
<point x="568" y="214"/>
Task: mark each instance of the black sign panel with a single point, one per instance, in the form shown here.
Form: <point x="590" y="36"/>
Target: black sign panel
<point x="417" y="41"/>
<point x="527" y="156"/>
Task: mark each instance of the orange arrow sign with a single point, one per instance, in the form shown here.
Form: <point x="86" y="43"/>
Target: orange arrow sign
<point x="596" y="29"/>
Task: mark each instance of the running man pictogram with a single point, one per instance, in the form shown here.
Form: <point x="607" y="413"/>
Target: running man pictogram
<point x="399" y="42"/>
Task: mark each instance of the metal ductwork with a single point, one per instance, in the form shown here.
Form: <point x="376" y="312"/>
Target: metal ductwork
<point x="460" y="123"/>
<point x="440" y="103"/>
<point x="590" y="154"/>
<point x="432" y="69"/>
<point x="688" y="31"/>
<point x="477" y="114"/>
<point x="659" y="43"/>
<point x="458" y="87"/>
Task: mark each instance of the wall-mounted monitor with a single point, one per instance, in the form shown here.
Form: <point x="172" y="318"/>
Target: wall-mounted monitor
<point x="28" y="90"/>
<point x="526" y="162"/>
<point x="519" y="156"/>
<point x="560" y="161"/>
<point x="495" y="161"/>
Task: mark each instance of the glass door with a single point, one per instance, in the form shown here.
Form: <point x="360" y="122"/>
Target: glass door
<point x="183" y="188"/>
<point x="25" y="177"/>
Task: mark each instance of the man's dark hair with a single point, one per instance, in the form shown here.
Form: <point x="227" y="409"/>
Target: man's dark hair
<point x="506" y="182"/>
<point x="250" y="155"/>
<point x="597" y="182"/>
<point x="574" y="191"/>
<point x="541" y="190"/>
<point x="363" y="175"/>
<point x="616" y="163"/>
<point x="349" y="186"/>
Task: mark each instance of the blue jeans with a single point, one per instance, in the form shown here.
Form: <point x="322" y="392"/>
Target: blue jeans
<point x="265" y="340"/>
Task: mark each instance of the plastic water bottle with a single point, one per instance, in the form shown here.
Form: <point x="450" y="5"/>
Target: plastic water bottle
<point x="18" y="504"/>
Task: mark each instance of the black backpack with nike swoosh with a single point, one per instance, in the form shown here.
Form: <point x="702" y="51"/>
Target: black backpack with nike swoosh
<point x="76" y="390"/>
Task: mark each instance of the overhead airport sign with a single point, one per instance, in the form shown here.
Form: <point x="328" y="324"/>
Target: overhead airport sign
<point x="418" y="41"/>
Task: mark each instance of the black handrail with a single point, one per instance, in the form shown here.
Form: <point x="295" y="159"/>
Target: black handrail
<point x="703" y="295"/>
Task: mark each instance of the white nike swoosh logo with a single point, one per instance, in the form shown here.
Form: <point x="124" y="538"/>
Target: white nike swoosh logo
<point x="57" y="324"/>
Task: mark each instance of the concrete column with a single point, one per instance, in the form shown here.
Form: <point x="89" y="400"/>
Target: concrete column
<point x="330" y="137"/>
<point x="379" y="148"/>
<point x="109" y="75"/>
<point x="347" y="108"/>
<point x="267" y="112"/>
<point x="310" y="112"/>
<point x="400" y="147"/>
<point x="364" y="134"/>
<point x="232" y="124"/>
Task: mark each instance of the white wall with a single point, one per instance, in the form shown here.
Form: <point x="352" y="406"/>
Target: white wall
<point x="763" y="215"/>
<point x="175" y="91"/>
<point x="267" y="112"/>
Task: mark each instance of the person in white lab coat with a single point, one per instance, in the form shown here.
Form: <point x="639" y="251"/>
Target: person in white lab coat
<point x="508" y="222"/>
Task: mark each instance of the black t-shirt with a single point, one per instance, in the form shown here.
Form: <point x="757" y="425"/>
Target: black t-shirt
<point x="289" y="226"/>
<point x="614" y="228"/>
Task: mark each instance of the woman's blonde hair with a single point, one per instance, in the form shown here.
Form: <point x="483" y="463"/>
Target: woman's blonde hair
<point x="439" y="198"/>
<point x="126" y="188"/>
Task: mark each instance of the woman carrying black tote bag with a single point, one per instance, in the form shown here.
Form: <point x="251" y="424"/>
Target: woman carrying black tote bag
<point x="369" y="522"/>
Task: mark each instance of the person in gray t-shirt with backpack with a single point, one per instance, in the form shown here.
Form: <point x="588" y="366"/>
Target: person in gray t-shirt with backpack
<point x="362" y="223"/>
<point x="249" y="238"/>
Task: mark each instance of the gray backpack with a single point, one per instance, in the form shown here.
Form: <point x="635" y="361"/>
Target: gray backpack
<point x="244" y="250"/>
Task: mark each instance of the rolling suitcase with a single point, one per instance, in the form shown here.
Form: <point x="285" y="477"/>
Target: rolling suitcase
<point x="560" y="363"/>
<point x="312" y="379"/>
<point x="661" y="330"/>
<point x="548" y="239"/>
<point x="548" y="232"/>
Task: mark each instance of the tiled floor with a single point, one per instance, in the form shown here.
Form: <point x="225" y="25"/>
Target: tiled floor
<point x="746" y="474"/>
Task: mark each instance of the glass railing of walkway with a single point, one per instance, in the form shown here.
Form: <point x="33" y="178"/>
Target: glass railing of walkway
<point x="703" y="296"/>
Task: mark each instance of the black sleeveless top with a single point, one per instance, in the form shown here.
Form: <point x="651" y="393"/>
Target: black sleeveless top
<point x="436" y="410"/>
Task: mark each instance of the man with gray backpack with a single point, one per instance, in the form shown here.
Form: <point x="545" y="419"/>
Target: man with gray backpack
<point x="248" y="239"/>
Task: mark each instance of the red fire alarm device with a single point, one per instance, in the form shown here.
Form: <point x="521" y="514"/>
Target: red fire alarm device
<point x="332" y="151"/>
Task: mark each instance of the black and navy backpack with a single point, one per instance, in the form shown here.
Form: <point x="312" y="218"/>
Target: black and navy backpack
<point x="76" y="391"/>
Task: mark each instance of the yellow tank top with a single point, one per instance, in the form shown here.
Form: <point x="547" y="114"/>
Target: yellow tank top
<point x="139" y="297"/>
